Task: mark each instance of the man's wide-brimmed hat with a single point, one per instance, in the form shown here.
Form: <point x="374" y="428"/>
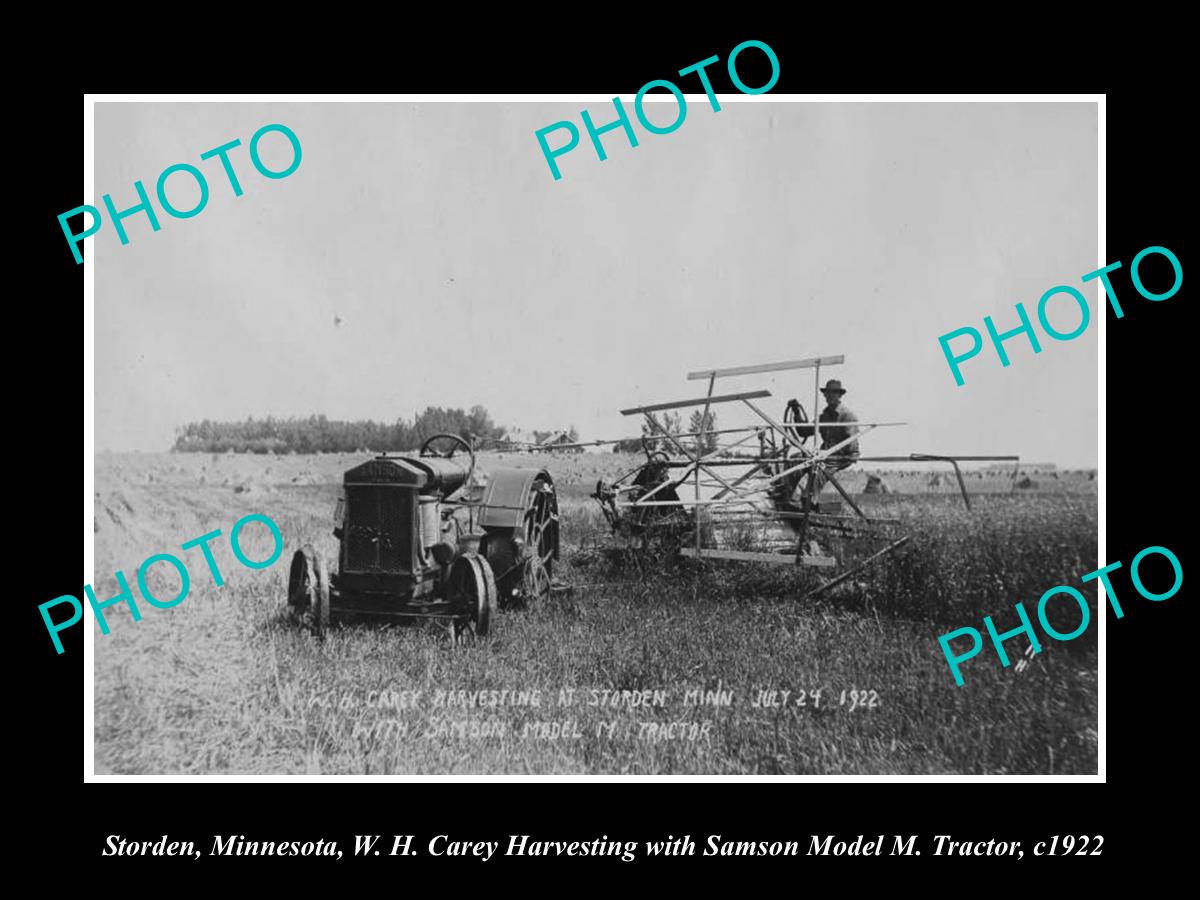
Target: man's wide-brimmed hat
<point x="833" y="386"/>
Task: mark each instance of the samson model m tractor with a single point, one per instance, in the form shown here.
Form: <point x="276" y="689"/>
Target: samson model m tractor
<point x="417" y="542"/>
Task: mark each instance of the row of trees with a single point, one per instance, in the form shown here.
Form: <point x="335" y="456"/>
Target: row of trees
<point x="317" y="434"/>
<point x="701" y="424"/>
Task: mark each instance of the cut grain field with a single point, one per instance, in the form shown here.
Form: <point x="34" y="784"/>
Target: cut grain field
<point x="599" y="679"/>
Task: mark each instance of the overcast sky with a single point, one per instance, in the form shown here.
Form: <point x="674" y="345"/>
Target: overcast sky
<point x="422" y="254"/>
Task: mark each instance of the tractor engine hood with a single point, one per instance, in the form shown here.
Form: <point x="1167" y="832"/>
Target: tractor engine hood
<point x="425" y="473"/>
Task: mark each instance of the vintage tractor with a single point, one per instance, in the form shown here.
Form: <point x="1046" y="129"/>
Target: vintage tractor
<point x="417" y="542"/>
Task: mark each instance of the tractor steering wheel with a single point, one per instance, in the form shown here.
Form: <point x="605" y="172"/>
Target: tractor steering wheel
<point x="458" y="440"/>
<point x="427" y="450"/>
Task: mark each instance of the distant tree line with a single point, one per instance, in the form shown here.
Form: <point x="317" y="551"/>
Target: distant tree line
<point x="317" y="434"/>
<point x="701" y="425"/>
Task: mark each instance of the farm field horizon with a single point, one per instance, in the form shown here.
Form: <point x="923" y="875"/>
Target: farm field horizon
<point x="224" y="683"/>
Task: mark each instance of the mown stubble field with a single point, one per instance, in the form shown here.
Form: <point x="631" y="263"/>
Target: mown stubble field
<point x="225" y="684"/>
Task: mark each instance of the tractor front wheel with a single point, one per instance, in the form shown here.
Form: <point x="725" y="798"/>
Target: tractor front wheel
<point x="471" y="589"/>
<point x="308" y="589"/>
<point x="320" y="618"/>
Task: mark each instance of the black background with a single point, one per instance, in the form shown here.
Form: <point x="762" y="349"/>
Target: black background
<point x="1149" y="700"/>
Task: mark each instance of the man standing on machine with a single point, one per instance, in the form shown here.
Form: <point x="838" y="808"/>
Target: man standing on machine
<point x="836" y="426"/>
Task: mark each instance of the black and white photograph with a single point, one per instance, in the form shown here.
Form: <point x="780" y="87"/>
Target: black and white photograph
<point x="478" y="438"/>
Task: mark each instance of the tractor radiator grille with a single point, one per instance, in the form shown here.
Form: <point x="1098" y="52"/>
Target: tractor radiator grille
<point x="379" y="535"/>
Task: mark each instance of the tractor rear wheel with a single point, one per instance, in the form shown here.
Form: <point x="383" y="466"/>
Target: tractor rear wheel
<point x="541" y="542"/>
<point x="522" y="558"/>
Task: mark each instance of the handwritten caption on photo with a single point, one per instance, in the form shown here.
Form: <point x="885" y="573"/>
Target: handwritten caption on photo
<point x="573" y="707"/>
